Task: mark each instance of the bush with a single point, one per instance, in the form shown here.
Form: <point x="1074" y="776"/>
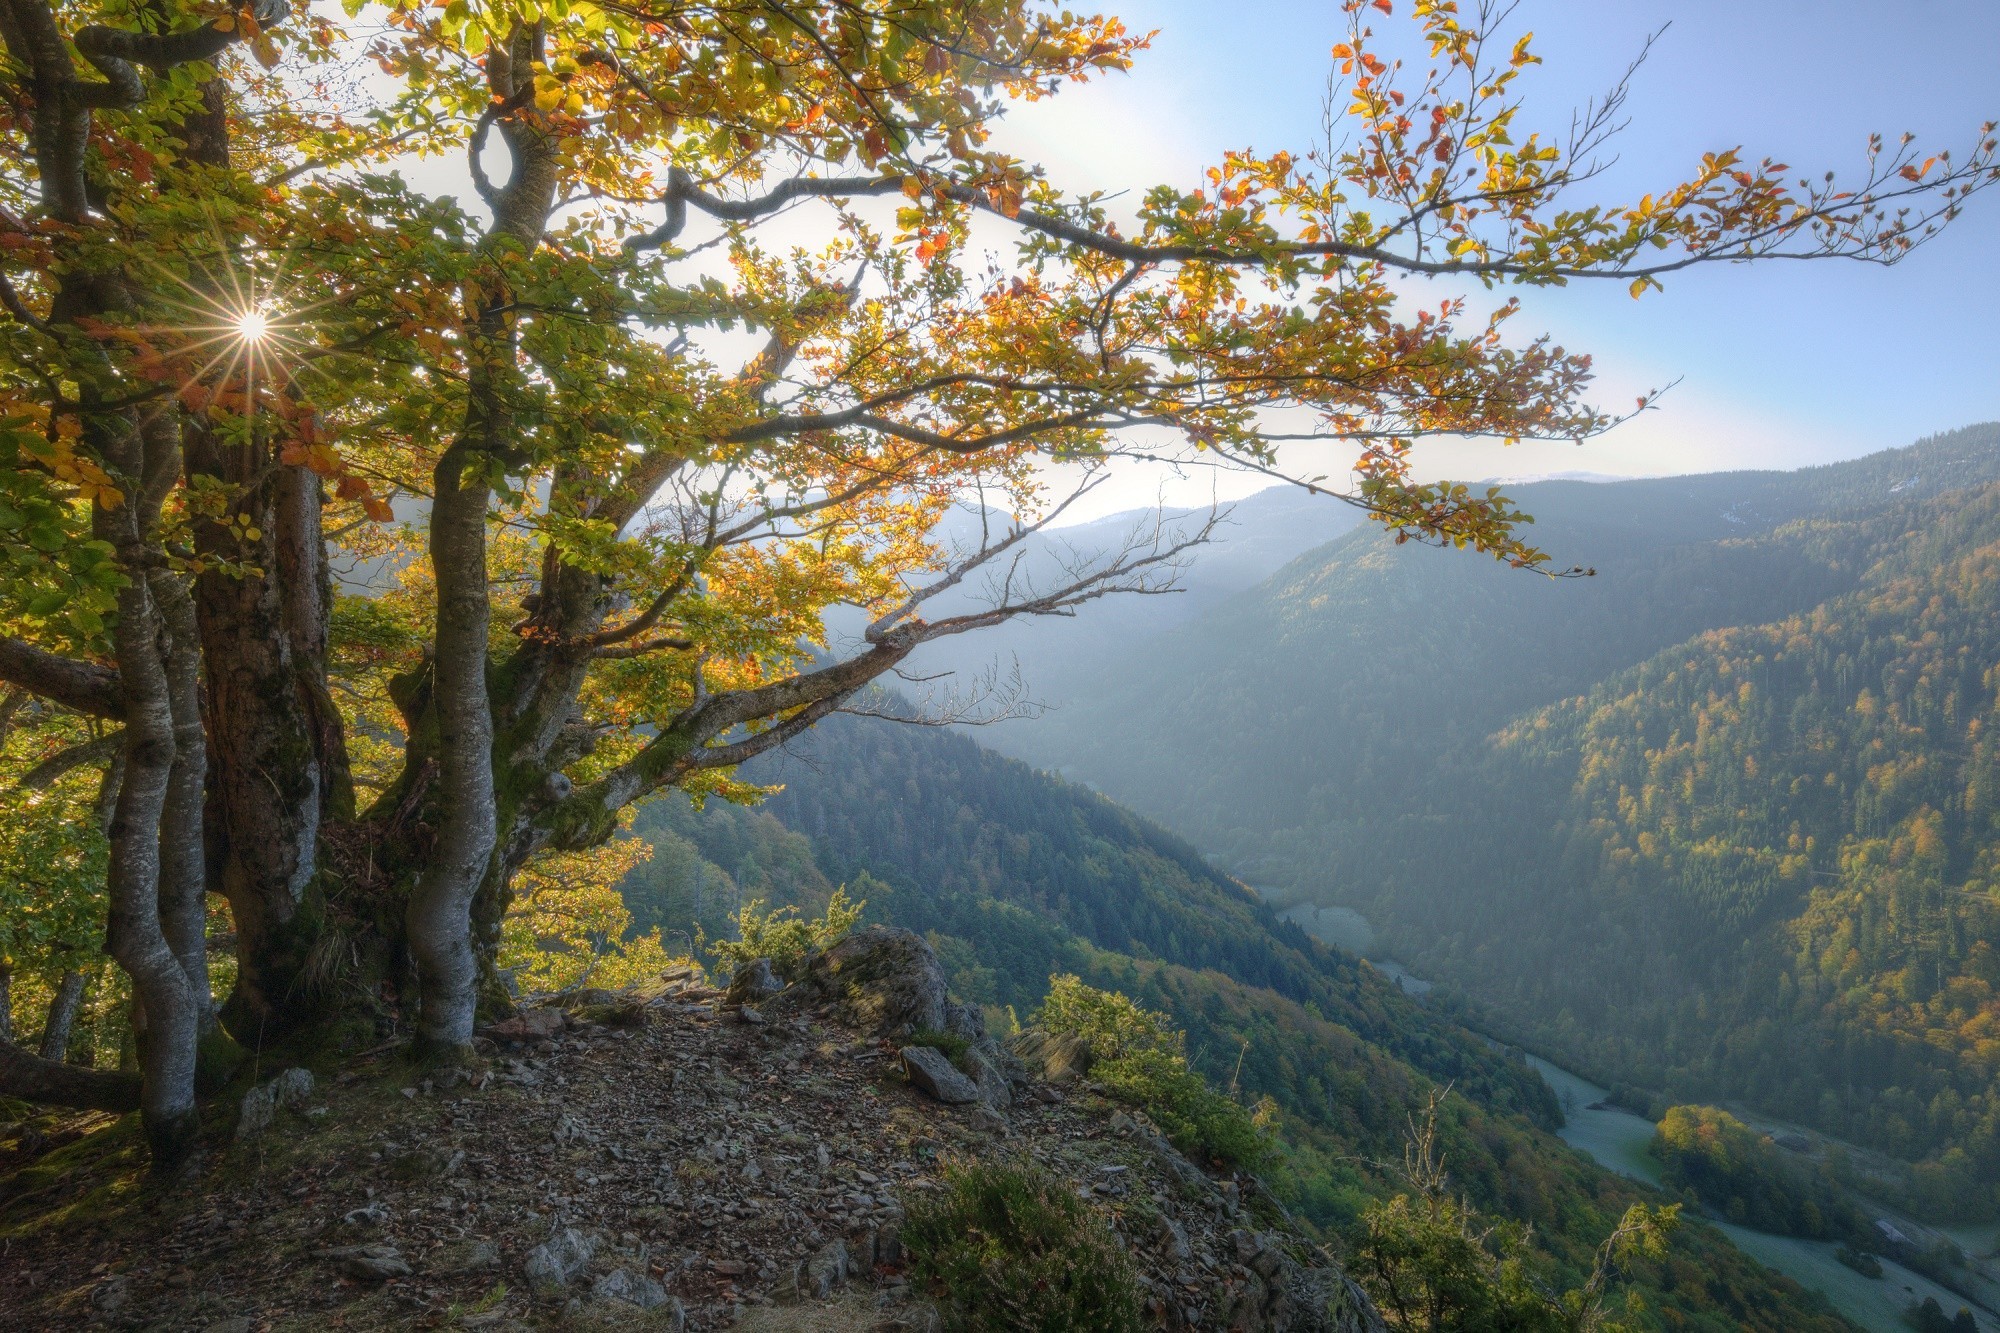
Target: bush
<point x="1143" y="1062"/>
<point x="1930" y="1317"/>
<point x="1009" y="1248"/>
<point x="1860" y="1261"/>
<point x="783" y="936"/>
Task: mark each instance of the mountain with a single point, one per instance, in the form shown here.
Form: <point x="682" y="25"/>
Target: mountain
<point x="1252" y="538"/>
<point x="1716" y="821"/>
<point x="1014" y="874"/>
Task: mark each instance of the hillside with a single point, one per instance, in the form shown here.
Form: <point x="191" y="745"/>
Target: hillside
<point x="1713" y="822"/>
<point x="1014" y="875"/>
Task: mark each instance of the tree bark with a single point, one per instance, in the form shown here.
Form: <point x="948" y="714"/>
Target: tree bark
<point x="183" y="859"/>
<point x="62" y="1016"/>
<point x="6" y="998"/>
<point x="266" y="791"/>
<point x="52" y="1083"/>
<point x="134" y="934"/>
<point x="438" y="920"/>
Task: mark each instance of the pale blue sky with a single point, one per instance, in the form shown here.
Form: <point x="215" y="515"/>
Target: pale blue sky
<point x="1782" y="364"/>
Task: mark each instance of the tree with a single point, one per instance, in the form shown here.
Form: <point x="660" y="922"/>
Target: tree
<point x="1434" y="1264"/>
<point x="243" y="345"/>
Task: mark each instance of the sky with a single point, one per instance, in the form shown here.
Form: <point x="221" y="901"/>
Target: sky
<point x="1779" y="365"/>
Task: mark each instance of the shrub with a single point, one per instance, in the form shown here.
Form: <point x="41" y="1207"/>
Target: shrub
<point x="1113" y="1024"/>
<point x="1009" y="1248"/>
<point x="1860" y="1261"/>
<point x="785" y="937"/>
<point x="1142" y="1060"/>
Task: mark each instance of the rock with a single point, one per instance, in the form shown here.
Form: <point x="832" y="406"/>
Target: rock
<point x="884" y="980"/>
<point x="1174" y="1238"/>
<point x="527" y="1025"/>
<point x="633" y="1289"/>
<point x="556" y="1261"/>
<point x="755" y="982"/>
<point x="465" y="1256"/>
<point x="292" y="1088"/>
<point x="241" y="1323"/>
<point x="370" y="1263"/>
<point x="111" y="1295"/>
<point x="932" y="1073"/>
<point x="964" y="1020"/>
<point x="1054" y="1057"/>
<point x="992" y="1084"/>
<point x="826" y="1270"/>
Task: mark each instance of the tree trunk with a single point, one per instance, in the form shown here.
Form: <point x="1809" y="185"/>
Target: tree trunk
<point x="133" y="934"/>
<point x="439" y="918"/>
<point x="266" y="791"/>
<point x="183" y="862"/>
<point x="62" y="1016"/>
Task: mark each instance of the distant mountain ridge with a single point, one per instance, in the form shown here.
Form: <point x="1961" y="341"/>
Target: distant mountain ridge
<point x="1386" y="729"/>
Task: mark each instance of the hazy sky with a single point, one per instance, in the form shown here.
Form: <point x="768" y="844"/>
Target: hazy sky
<point x="1781" y="364"/>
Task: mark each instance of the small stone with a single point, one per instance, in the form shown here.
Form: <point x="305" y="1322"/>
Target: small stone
<point x="557" y="1260"/>
<point x="633" y="1289"/>
<point x="241" y="1323"/>
<point x="932" y="1073"/>
<point x="111" y="1295"/>
<point x="369" y="1263"/>
<point x="259" y="1109"/>
<point x="526" y="1026"/>
<point x="827" y="1269"/>
<point x="466" y="1256"/>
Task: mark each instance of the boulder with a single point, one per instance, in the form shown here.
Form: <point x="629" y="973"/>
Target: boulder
<point x="884" y="981"/>
<point x="1051" y="1056"/>
<point x="933" y="1073"/>
<point x="754" y="983"/>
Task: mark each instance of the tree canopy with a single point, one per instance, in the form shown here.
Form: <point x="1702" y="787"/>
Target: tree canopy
<point x="385" y="536"/>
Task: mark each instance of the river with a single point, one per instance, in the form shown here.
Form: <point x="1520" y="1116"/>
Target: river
<point x="1619" y="1140"/>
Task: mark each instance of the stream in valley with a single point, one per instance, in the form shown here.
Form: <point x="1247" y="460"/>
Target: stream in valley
<point x="1618" y="1139"/>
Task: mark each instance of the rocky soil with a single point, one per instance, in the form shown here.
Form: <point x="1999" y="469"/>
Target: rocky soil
<point x="673" y="1158"/>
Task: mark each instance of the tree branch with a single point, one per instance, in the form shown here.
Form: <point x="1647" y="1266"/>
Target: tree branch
<point x="84" y="686"/>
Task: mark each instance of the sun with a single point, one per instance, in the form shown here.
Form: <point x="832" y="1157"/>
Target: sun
<point x="253" y="325"/>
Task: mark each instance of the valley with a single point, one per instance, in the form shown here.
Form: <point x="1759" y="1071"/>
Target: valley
<point x="1620" y="1140"/>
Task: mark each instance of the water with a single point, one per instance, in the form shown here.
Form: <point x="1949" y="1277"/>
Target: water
<point x="1345" y="928"/>
<point x="1618" y="1139"/>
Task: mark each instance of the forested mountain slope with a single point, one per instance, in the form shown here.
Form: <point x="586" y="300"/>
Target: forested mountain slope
<point x="1766" y="859"/>
<point x="1014" y="874"/>
<point x="1717" y="822"/>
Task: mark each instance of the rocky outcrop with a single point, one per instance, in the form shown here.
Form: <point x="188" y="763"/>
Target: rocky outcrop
<point x="883" y="982"/>
<point x="1054" y="1057"/>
